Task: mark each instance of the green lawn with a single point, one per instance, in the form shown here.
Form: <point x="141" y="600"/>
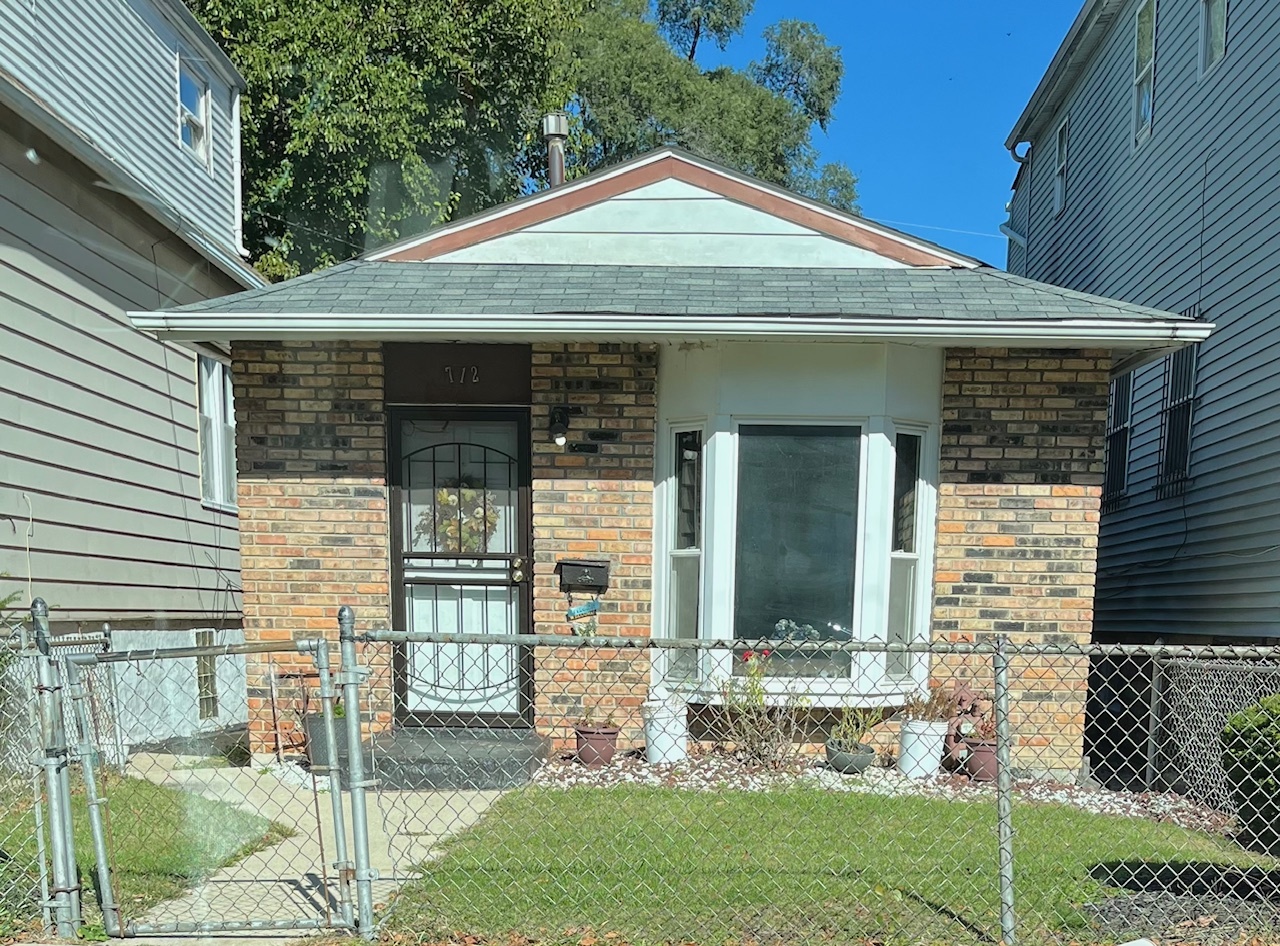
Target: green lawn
<point x="163" y="841"/>
<point x="656" y="865"/>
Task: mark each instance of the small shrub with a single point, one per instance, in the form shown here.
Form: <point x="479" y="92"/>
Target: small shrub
<point x="764" y="727"/>
<point x="854" y="726"/>
<point x="1251" y="760"/>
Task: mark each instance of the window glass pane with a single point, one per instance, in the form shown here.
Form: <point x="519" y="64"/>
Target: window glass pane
<point x="688" y="489"/>
<point x="1144" y="103"/>
<point x="208" y="461"/>
<point x="796" y="541"/>
<point x="682" y="620"/>
<point x="1146" y="36"/>
<point x="902" y="597"/>
<point x="1216" y="28"/>
<point x="1062" y="145"/>
<point x="905" y="491"/>
<point x="191" y="92"/>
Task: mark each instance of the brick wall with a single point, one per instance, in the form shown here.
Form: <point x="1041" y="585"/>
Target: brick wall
<point x="1023" y="435"/>
<point x="310" y="452"/>
<point x="593" y="499"/>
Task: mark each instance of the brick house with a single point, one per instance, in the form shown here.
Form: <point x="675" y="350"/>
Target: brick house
<point x="753" y="407"/>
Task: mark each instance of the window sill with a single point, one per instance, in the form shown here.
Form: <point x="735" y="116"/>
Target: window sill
<point x="230" y="509"/>
<point x="835" y="693"/>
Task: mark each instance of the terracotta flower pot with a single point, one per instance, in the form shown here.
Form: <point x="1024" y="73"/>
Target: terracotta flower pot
<point x="596" y="745"/>
<point x="980" y="763"/>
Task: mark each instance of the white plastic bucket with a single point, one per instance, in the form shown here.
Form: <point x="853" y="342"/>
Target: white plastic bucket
<point x="666" y="730"/>
<point x="920" y="748"/>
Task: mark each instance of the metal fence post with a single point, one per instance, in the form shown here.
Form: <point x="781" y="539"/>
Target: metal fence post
<point x="89" y="758"/>
<point x="54" y="761"/>
<point x="350" y="677"/>
<point x="342" y="864"/>
<point x="1004" y="790"/>
<point x="1153" y="726"/>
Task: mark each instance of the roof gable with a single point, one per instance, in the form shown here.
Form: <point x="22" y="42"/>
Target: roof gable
<point x="668" y="208"/>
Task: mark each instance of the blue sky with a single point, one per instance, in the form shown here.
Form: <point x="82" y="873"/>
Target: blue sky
<point x="931" y="90"/>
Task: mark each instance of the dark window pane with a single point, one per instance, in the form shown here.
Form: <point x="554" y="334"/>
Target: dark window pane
<point x="797" y="527"/>
<point x="689" y="489"/>
<point x="905" y="482"/>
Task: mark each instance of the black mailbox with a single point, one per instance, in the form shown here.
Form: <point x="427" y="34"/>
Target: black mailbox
<point x="583" y="576"/>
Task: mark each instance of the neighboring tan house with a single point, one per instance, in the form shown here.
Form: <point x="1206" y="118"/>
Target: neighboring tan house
<point x="1151" y="173"/>
<point x="119" y="189"/>
<point x="753" y="407"/>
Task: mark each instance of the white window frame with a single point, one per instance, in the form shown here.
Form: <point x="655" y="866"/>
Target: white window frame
<point x="1061" y="157"/>
<point x="1143" y="76"/>
<point x="669" y="508"/>
<point x="203" y="151"/>
<point x="216" y="433"/>
<point x="868" y="683"/>
<point x="1205" y="37"/>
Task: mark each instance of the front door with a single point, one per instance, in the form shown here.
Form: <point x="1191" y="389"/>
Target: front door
<point x="460" y="484"/>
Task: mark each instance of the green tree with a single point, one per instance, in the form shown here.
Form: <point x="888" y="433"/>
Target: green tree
<point x="637" y="87"/>
<point x="367" y="120"/>
<point x="686" y="22"/>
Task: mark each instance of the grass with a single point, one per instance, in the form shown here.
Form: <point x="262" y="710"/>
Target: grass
<point x="648" y="865"/>
<point x="163" y="840"/>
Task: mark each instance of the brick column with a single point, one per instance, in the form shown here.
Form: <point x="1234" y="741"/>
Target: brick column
<point x="593" y="499"/>
<point x="1023" y="437"/>
<point x="310" y="454"/>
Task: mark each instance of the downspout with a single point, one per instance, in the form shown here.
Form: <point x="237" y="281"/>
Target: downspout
<point x="1006" y="227"/>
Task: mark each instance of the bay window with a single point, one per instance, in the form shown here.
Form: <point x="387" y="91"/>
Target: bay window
<point x="795" y="550"/>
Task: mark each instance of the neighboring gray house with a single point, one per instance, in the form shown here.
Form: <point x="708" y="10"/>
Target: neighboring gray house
<point x="1151" y="173"/>
<point x="119" y="189"/>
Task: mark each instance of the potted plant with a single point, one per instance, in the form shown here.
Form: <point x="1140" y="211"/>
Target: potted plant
<point x="924" y="730"/>
<point x="846" y="752"/>
<point x="318" y="745"/>
<point x="980" y="740"/>
<point x="596" y="742"/>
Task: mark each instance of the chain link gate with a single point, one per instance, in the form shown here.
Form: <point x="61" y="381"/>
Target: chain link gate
<point x="248" y="840"/>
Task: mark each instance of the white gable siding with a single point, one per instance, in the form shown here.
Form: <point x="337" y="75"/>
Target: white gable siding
<point x="670" y="223"/>
<point x="110" y="71"/>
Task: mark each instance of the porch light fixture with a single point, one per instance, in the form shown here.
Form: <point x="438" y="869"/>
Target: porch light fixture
<point x="560" y="425"/>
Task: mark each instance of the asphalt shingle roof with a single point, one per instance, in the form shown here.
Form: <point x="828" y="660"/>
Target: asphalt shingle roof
<point x="429" y="288"/>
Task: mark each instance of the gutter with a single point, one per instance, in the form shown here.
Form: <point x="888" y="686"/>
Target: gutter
<point x="32" y="110"/>
<point x="1126" y="334"/>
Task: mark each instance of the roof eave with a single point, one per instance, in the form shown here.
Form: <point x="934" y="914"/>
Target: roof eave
<point x="1090" y="26"/>
<point x="1134" y="334"/>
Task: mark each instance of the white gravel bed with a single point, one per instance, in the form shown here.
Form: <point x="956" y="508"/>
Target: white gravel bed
<point x="720" y="772"/>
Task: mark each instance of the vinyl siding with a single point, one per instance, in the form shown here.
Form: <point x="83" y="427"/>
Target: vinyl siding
<point x="1190" y="217"/>
<point x="670" y="223"/>
<point x="99" y="453"/>
<point x="109" y="70"/>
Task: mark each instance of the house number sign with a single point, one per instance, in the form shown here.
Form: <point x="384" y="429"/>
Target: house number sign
<point x="462" y="374"/>
<point x="465" y="373"/>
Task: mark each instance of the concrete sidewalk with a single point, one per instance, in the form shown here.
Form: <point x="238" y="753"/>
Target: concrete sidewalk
<point x="295" y="879"/>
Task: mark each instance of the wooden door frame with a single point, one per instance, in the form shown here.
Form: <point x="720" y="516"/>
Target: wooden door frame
<point x="523" y="717"/>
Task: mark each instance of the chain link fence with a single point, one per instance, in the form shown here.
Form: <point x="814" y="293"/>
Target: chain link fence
<point x="592" y="790"/>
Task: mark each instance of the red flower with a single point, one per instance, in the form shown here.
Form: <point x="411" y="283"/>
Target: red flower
<point x="765" y="653"/>
<point x="747" y="655"/>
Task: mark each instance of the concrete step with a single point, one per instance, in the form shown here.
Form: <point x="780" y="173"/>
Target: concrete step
<point x="425" y="758"/>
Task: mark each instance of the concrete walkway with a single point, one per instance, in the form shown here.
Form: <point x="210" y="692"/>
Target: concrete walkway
<point x="294" y="879"/>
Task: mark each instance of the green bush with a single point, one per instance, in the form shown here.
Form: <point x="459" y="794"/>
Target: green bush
<point x="1251" y="759"/>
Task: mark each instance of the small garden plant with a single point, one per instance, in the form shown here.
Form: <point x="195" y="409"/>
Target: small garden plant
<point x="764" y="727"/>
<point x="1251" y="759"/>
